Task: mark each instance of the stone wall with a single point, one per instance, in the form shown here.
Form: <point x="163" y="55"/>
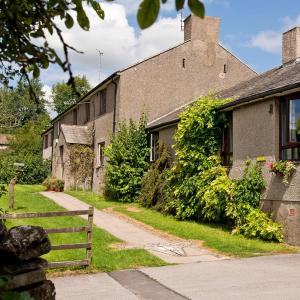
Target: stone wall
<point x="256" y="134"/>
<point x="20" y="262"/>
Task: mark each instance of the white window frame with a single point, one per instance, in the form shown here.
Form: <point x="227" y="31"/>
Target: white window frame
<point x="153" y="147"/>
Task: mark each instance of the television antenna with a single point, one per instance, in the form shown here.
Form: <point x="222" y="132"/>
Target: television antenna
<point x="100" y="62"/>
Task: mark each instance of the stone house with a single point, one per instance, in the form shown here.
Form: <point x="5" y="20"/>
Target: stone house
<point x="265" y="127"/>
<point x="155" y="86"/>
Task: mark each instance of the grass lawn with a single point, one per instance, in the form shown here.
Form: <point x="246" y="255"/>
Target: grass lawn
<point x="105" y="258"/>
<point x="214" y="237"/>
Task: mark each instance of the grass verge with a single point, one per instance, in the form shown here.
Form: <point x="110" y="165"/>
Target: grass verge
<point x="213" y="236"/>
<point x="105" y="258"/>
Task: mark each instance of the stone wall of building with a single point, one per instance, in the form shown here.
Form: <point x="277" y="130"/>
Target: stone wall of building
<point x="256" y="134"/>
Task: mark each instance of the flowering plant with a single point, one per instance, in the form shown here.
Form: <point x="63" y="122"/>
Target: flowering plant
<point x="283" y="168"/>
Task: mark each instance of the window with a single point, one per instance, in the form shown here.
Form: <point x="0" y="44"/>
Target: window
<point x="227" y="143"/>
<point x="154" y="137"/>
<point x="87" y="112"/>
<point x="46" y="141"/>
<point x="290" y="128"/>
<point x="102" y="109"/>
<point x="51" y="138"/>
<point x="75" y="116"/>
<point x="100" y="157"/>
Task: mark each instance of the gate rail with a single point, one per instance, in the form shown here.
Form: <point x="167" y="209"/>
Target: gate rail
<point x="88" y="229"/>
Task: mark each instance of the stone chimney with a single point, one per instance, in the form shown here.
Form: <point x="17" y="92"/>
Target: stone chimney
<point x="206" y="30"/>
<point x="291" y="45"/>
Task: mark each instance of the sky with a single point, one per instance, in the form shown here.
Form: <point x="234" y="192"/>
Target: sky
<point x="252" y="30"/>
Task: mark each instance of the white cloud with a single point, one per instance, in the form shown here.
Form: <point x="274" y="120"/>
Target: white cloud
<point x="270" y="40"/>
<point x="119" y="42"/>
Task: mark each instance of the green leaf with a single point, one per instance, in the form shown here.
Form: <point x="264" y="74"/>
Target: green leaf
<point x="69" y="22"/>
<point x="96" y="6"/>
<point x="82" y="18"/>
<point x="179" y="4"/>
<point x="197" y="8"/>
<point x="36" y="71"/>
<point x="147" y="13"/>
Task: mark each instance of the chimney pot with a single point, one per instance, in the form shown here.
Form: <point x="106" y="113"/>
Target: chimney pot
<point x="291" y="45"/>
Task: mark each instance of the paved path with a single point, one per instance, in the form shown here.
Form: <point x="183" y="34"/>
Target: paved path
<point x="261" y="278"/>
<point x="169" y="250"/>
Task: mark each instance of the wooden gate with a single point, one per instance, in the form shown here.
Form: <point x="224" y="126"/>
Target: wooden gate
<point x="88" y="229"/>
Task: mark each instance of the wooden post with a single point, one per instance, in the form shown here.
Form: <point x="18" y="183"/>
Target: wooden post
<point x="11" y="193"/>
<point x="89" y="235"/>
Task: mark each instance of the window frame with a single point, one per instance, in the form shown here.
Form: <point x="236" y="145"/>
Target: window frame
<point x="154" y="145"/>
<point x="46" y="141"/>
<point x="100" y="154"/>
<point x="103" y="102"/>
<point x="288" y="145"/>
<point x="75" y="116"/>
<point x="227" y="141"/>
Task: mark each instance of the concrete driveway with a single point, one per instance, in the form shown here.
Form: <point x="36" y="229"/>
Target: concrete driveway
<point x="268" y="277"/>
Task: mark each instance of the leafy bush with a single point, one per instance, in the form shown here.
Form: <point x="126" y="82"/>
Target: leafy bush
<point x="197" y="142"/>
<point x="127" y="161"/>
<point x="154" y="183"/>
<point x="54" y="184"/>
<point x="35" y="169"/>
<point x="201" y="188"/>
<point x="25" y="147"/>
<point x="259" y="226"/>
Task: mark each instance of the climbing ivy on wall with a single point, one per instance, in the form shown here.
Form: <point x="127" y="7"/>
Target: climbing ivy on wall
<point x="81" y="159"/>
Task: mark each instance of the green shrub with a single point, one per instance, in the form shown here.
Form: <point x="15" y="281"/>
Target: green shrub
<point x="197" y="142"/>
<point x="127" y="161"/>
<point x="246" y="194"/>
<point x="154" y="183"/>
<point x="201" y="188"/>
<point x="26" y="148"/>
<point x="54" y="184"/>
<point x="35" y="169"/>
<point x="258" y="225"/>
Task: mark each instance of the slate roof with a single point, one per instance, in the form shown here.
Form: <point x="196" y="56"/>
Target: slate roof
<point x="276" y="80"/>
<point x="168" y="119"/>
<point x="75" y="134"/>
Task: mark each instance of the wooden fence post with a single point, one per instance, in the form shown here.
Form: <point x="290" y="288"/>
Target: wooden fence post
<point x="11" y="193"/>
<point x="89" y="235"/>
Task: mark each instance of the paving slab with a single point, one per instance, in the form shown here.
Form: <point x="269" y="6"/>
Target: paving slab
<point x="275" y="277"/>
<point x="91" y="287"/>
<point x="144" y="287"/>
<point x="170" y="250"/>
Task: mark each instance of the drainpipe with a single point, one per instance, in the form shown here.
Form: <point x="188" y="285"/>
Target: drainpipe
<point x="115" y="106"/>
<point x="93" y="143"/>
